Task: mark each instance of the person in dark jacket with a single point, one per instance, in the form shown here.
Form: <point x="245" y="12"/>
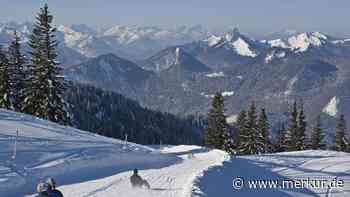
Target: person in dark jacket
<point x="137" y="181"/>
<point x="42" y="190"/>
<point x="51" y="190"/>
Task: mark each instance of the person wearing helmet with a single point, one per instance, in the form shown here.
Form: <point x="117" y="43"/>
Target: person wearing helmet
<point x="42" y="190"/>
<point x="52" y="191"/>
<point x="137" y="181"/>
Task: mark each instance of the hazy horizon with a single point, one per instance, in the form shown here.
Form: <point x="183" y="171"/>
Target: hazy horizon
<point x="251" y="16"/>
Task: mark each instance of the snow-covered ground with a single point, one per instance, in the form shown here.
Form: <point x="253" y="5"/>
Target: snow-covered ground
<point x="314" y="166"/>
<point x="70" y="155"/>
<point x="173" y="181"/>
<point x="85" y="164"/>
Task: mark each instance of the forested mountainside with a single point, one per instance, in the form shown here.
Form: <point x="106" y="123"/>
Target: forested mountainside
<point x="111" y="114"/>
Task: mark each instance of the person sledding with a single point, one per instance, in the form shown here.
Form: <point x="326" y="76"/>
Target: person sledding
<point x="42" y="190"/>
<point x="51" y="190"/>
<point x="137" y="181"/>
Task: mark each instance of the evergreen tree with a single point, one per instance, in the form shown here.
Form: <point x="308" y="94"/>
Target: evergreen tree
<point x="45" y="87"/>
<point x="217" y="126"/>
<point x="264" y="127"/>
<point x="5" y="82"/>
<point x="252" y="139"/>
<point x="341" y="141"/>
<point x="301" y="132"/>
<point x="281" y="144"/>
<point x="228" y="145"/>
<point x="291" y="138"/>
<point x="317" y="136"/>
<point x="241" y="126"/>
<point x="16" y="65"/>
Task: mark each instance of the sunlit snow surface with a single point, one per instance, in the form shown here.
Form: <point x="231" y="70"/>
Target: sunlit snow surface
<point x="70" y="155"/>
<point x="303" y="165"/>
<point x="85" y="164"/>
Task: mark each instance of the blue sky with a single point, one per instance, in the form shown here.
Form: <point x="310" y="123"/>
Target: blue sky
<point x="249" y="15"/>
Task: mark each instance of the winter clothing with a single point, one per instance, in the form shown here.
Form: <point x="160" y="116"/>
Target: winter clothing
<point x="42" y="187"/>
<point x="54" y="193"/>
<point x="42" y="190"/>
<point x="137" y="181"/>
<point x="51" y="182"/>
<point x="43" y="194"/>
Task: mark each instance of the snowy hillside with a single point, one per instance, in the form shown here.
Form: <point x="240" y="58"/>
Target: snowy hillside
<point x="47" y="149"/>
<point x="85" y="164"/>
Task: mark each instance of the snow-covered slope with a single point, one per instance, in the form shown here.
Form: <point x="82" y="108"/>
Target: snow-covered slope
<point x="47" y="149"/>
<point x="173" y="181"/>
<point x="86" y="164"/>
<point x="235" y="41"/>
<point x="292" y="166"/>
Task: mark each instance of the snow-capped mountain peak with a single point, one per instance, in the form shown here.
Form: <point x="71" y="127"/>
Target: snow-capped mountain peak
<point x="303" y="41"/>
<point x="71" y="37"/>
<point x="300" y="42"/>
<point x="235" y="41"/>
<point x="243" y="48"/>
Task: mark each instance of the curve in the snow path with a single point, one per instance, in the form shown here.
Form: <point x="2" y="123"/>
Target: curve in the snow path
<point x="172" y="181"/>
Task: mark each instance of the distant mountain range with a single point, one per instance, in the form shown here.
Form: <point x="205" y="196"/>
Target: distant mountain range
<point x="311" y="67"/>
<point x="179" y="71"/>
<point x="127" y="41"/>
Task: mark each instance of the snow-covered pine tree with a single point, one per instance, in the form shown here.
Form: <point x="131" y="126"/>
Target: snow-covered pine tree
<point x="341" y="140"/>
<point x="240" y="126"/>
<point x="292" y="134"/>
<point x="317" y="136"/>
<point x="17" y="70"/>
<point x="301" y="134"/>
<point x="264" y="127"/>
<point x="45" y="87"/>
<point x="5" y="82"/>
<point x="217" y="126"/>
<point x="252" y="139"/>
